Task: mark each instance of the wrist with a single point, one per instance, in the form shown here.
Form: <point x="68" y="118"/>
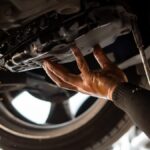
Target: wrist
<point x="111" y="91"/>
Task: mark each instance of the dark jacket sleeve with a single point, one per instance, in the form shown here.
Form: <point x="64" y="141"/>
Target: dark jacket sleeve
<point x="135" y="101"/>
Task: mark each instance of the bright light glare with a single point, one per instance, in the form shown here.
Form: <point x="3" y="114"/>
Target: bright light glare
<point x="140" y="141"/>
<point x="32" y="108"/>
<point x="37" y="110"/>
<point x="76" y="101"/>
<point x="130" y="141"/>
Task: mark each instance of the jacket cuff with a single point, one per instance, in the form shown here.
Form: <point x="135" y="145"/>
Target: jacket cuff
<point x="124" y="92"/>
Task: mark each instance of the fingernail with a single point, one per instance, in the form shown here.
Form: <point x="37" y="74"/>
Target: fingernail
<point x="75" y="50"/>
<point x="72" y="50"/>
<point x="43" y="63"/>
<point x="97" y="46"/>
<point x="44" y="67"/>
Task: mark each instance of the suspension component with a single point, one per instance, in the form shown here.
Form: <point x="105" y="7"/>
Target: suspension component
<point x="140" y="46"/>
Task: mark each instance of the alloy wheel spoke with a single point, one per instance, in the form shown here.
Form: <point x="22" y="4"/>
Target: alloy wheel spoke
<point x="59" y="113"/>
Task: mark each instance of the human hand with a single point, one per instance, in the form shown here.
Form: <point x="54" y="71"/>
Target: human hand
<point x="95" y="83"/>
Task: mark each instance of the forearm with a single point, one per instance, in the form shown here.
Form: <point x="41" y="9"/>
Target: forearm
<point x="135" y="101"/>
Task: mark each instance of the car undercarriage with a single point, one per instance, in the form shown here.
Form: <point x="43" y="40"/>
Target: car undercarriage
<point x="32" y="31"/>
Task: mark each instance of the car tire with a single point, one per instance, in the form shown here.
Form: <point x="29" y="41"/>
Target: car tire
<point x="101" y="132"/>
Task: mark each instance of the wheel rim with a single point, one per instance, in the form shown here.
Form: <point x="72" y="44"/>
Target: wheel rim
<point x="16" y="126"/>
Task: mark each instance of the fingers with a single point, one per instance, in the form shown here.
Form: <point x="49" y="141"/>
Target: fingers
<point x="60" y="72"/>
<point x="101" y="57"/>
<point x="58" y="81"/>
<point x="81" y="62"/>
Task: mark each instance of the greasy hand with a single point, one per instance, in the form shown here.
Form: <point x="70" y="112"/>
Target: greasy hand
<point x="95" y="83"/>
